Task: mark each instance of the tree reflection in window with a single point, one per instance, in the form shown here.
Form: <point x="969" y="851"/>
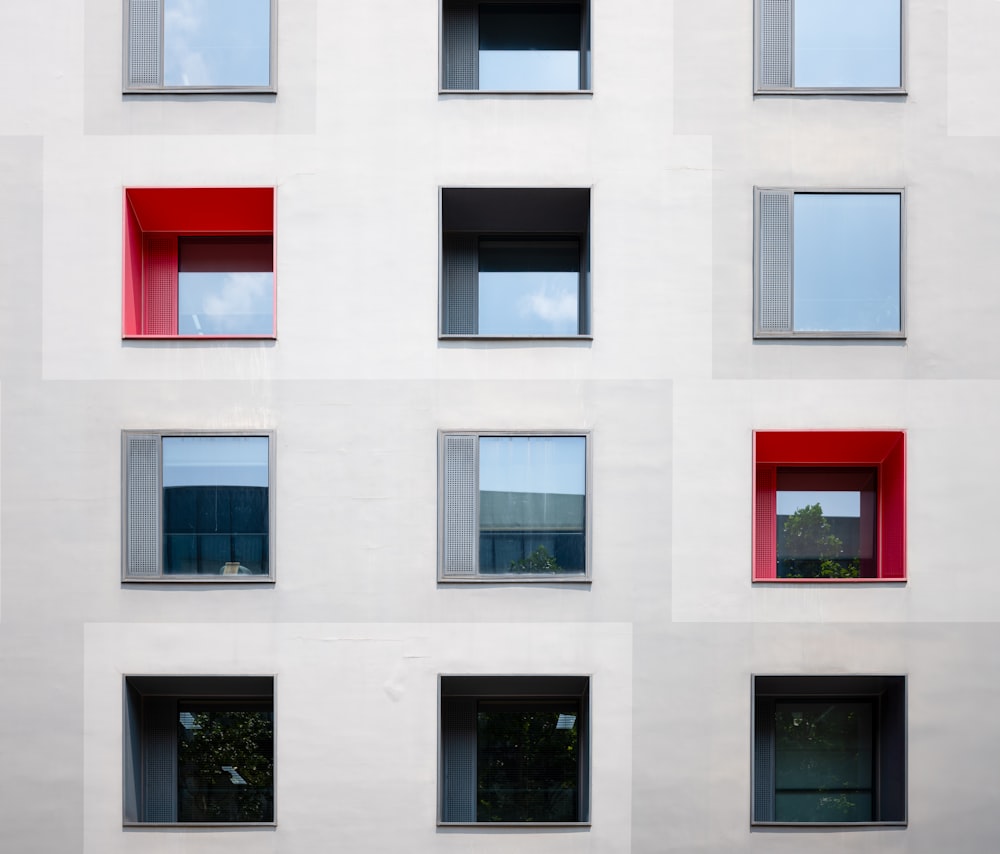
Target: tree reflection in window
<point x="225" y="762"/>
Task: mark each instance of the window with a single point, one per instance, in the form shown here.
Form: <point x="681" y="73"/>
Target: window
<point x="515" y="47"/>
<point x="197" y="507"/>
<point x="829" y="264"/>
<point x="829" y="749"/>
<point x="199" y="45"/>
<point x="198" y="263"/>
<point x="829" y="506"/>
<point x="515" y="263"/>
<point x="817" y="46"/>
<point x="199" y="749"/>
<point x="514" y="507"/>
<point x="515" y="749"/>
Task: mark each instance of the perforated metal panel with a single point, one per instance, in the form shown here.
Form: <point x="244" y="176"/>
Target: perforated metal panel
<point x="142" y="479"/>
<point x="765" y="557"/>
<point x="774" y="310"/>
<point x="159" y="286"/>
<point x="775" y="43"/>
<point x="458" y="740"/>
<point x="461" y="529"/>
<point x="461" y="53"/>
<point x="461" y="285"/>
<point x="763" y="761"/>
<point x="144" y="43"/>
<point x="160" y="765"/>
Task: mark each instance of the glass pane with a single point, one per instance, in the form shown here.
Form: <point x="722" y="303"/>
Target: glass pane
<point x="529" y="287"/>
<point x="847" y="43"/>
<point x="527" y="761"/>
<point x="216" y="42"/>
<point x="826" y="523"/>
<point x="215" y="505"/>
<point x="529" y="47"/>
<point x="846" y="264"/>
<point x="225" y="762"/>
<point x="823" y="761"/>
<point x="532" y="500"/>
<point x="225" y="286"/>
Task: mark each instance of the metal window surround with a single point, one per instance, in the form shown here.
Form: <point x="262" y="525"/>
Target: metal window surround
<point x="776" y="262"/>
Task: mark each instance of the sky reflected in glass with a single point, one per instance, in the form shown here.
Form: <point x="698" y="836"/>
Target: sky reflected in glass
<point x="529" y="70"/>
<point x="847" y="43"/>
<point x="839" y="503"/>
<point x="225" y="303"/>
<point x="542" y="464"/>
<point x="529" y="47"/>
<point x="214" y="461"/>
<point x="846" y="265"/>
<point x="216" y="42"/>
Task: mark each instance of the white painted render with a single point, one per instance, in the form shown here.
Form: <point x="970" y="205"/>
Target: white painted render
<point x="355" y="629"/>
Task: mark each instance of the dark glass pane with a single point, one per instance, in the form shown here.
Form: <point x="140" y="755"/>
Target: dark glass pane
<point x="824" y="761"/>
<point x="529" y="46"/>
<point x="215" y="505"/>
<point x="527" y="761"/>
<point x="532" y="504"/>
<point x="225" y="769"/>
<point x="826" y="522"/>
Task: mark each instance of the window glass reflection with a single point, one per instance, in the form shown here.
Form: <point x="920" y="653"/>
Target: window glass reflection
<point x="225" y="286"/>
<point x="847" y="262"/>
<point x="846" y="43"/>
<point x="215" y="505"/>
<point x="216" y="42"/>
<point x="532" y="504"/>
<point x="529" y="287"/>
<point x="529" y="46"/>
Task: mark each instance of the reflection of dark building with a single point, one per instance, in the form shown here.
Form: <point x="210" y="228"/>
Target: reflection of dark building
<point x="207" y="527"/>
<point x="514" y="525"/>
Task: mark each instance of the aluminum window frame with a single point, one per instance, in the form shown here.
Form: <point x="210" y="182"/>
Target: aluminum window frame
<point x="883" y="688"/>
<point x="161" y="577"/>
<point x="519" y="686"/>
<point x="129" y="88"/>
<point x="759" y="88"/>
<point x="213" y="687"/>
<point x="513" y="578"/>
<point x="759" y="333"/>
<point x="586" y="50"/>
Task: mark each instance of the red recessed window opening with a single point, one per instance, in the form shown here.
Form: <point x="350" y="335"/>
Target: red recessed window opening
<point x="829" y="505"/>
<point x="198" y="263"/>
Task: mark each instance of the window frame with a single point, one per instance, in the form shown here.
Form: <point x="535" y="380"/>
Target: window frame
<point x="882" y="450"/>
<point x="759" y="332"/>
<point x="480" y="687"/>
<point x="889" y="739"/>
<point x="160" y="577"/>
<point x="512" y="213"/>
<point x="476" y="577"/>
<point x="167" y="214"/>
<point x="586" y="48"/>
<point x="138" y="731"/>
<point x="130" y="88"/>
<point x="760" y="88"/>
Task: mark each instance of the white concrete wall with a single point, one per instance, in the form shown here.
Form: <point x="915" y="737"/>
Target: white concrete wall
<point x="356" y="630"/>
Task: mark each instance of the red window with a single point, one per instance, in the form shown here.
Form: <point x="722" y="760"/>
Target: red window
<point x="198" y="263"/>
<point x="829" y="505"/>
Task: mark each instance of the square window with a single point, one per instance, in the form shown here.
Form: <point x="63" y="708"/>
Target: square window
<point x="198" y="507"/>
<point x="199" y="45"/>
<point x="515" y="263"/>
<point x="515" y="47"/>
<point x="198" y="263"/>
<point x="828" y="264"/>
<point x="829" y="750"/>
<point x="515" y="749"/>
<point x="829" y="506"/>
<point x="199" y="750"/>
<point x="514" y="507"/>
<point x="817" y="46"/>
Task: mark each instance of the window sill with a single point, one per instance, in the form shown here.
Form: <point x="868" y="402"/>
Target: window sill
<point x="443" y="336"/>
<point x="830" y="336"/>
<point x="543" y="92"/>
<point x="835" y="90"/>
<point x="195" y="825"/>
<point x="524" y="825"/>
<point x="200" y="579"/>
<point x="891" y="581"/>
<point x="515" y="579"/>
<point x="202" y="90"/>
<point x="809" y="825"/>
<point x="272" y="337"/>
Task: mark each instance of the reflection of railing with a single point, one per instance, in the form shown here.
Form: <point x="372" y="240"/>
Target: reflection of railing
<point x="226" y="801"/>
<point x="500" y="551"/>
<point x="207" y="553"/>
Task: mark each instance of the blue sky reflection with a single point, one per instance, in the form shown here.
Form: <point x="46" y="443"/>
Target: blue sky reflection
<point x="546" y="464"/>
<point x="225" y="303"/>
<point x="214" y="461"/>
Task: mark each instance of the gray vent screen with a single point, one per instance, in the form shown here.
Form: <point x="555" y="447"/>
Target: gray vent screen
<point x="142" y="466"/>
<point x="775" y="43"/>
<point x="775" y="294"/>
<point x="458" y="736"/>
<point x="461" y="529"/>
<point x="461" y="53"/>
<point x="763" y="762"/>
<point x="160" y="783"/>
<point x="461" y="285"/>
<point x="144" y="43"/>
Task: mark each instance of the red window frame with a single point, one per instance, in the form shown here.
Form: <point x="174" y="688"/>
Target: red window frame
<point x="153" y="219"/>
<point x="883" y="450"/>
